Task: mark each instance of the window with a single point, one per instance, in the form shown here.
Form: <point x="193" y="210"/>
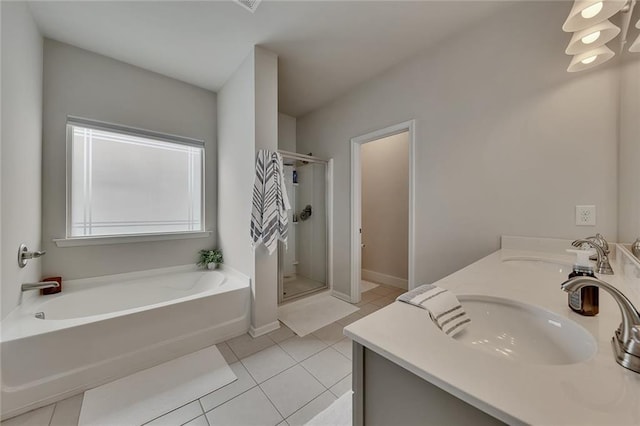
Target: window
<point x="125" y="181"/>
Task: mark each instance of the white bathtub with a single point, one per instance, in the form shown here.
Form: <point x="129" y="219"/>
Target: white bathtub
<point x="104" y="328"/>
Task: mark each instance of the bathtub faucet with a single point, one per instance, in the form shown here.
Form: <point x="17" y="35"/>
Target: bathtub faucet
<point x="40" y="285"/>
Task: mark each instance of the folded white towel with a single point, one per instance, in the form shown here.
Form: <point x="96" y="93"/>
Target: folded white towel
<point x="443" y="306"/>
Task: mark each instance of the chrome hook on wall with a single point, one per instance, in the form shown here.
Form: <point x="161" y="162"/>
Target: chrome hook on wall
<point x="24" y="254"/>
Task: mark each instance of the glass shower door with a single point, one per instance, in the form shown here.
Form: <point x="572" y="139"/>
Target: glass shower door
<point x="303" y="264"/>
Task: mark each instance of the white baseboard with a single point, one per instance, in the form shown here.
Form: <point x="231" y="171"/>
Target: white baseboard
<point x="268" y="328"/>
<point x="341" y="296"/>
<point x="385" y="279"/>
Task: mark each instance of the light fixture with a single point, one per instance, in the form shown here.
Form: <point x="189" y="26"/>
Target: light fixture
<point x="250" y="5"/>
<point x="591" y="58"/>
<point x="592" y="37"/>
<point x="592" y="30"/>
<point x="635" y="47"/>
<point x="586" y="13"/>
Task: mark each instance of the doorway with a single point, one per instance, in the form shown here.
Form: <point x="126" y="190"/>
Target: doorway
<point x="382" y="208"/>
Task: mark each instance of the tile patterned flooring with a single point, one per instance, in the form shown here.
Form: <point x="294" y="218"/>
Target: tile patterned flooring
<point x="283" y="379"/>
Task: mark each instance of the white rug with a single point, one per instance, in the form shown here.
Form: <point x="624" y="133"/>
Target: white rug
<point x="367" y="285"/>
<point x="337" y="414"/>
<point x="147" y="394"/>
<point x="312" y="313"/>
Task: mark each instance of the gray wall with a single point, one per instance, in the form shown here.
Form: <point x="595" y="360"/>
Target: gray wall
<point x="21" y="148"/>
<point x="264" y="309"/>
<point x="629" y="158"/>
<point x="507" y="142"/>
<point x="85" y="84"/>
<point x="286" y="132"/>
<point x="248" y="116"/>
<point x="236" y="151"/>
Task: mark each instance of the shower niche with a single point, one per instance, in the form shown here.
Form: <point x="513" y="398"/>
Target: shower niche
<point x="302" y="264"/>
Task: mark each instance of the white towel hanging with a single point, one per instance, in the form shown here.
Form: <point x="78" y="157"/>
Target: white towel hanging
<point x="269" y="221"/>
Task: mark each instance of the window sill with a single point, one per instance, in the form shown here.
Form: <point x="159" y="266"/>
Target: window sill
<point x="127" y="239"/>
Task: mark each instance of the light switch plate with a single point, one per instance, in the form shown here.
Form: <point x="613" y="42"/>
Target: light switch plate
<point x="586" y="215"/>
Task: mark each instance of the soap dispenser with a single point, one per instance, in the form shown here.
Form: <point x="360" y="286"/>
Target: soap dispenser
<point x="585" y="300"/>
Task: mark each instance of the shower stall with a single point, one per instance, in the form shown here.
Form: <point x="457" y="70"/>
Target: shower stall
<point x="303" y="263"/>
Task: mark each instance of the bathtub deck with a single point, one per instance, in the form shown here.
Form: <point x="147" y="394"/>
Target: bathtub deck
<point x="83" y="352"/>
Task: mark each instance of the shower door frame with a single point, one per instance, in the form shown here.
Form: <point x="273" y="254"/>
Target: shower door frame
<point x="328" y="228"/>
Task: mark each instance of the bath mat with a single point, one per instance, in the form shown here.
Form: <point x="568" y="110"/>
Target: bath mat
<point x="147" y="394"/>
<point x="312" y="313"/>
<point x="337" y="414"/>
<point x="367" y="285"/>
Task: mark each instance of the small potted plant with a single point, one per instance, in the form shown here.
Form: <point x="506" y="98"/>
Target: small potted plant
<point x="210" y="258"/>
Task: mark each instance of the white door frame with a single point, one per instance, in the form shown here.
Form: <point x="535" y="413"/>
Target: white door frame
<point x="356" y="201"/>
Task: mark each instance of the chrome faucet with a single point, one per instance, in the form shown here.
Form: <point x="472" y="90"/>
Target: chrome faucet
<point x="626" y="340"/>
<point x="602" y="264"/>
<point x="40" y="285"/>
<point x="599" y="240"/>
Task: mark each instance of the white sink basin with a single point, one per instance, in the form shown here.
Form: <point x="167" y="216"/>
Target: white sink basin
<point x="560" y="268"/>
<point x="524" y="333"/>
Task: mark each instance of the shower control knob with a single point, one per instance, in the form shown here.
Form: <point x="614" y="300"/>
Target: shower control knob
<point x="24" y="254"/>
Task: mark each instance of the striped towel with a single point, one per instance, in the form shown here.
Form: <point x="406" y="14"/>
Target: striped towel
<point x="443" y="306"/>
<point x="269" y="222"/>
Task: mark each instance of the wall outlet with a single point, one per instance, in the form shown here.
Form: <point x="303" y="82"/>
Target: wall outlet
<point x="586" y="215"/>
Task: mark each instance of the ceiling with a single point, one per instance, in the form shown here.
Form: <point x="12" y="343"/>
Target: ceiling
<point x="324" y="47"/>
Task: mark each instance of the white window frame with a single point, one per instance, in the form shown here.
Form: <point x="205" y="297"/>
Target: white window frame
<point x="71" y="241"/>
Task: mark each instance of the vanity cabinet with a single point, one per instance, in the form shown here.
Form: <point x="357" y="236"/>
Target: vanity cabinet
<point x="387" y="394"/>
<point x="407" y="372"/>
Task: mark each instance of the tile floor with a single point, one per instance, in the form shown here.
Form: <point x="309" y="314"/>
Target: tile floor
<point x="283" y="379"/>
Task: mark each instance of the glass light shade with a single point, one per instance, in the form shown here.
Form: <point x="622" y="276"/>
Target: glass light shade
<point x="592" y="10"/>
<point x="592" y="37"/>
<point x="635" y="47"/>
<point x="586" y="13"/>
<point x="590" y="59"/>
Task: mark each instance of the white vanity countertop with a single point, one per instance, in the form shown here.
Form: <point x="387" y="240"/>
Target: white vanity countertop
<point x="597" y="391"/>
